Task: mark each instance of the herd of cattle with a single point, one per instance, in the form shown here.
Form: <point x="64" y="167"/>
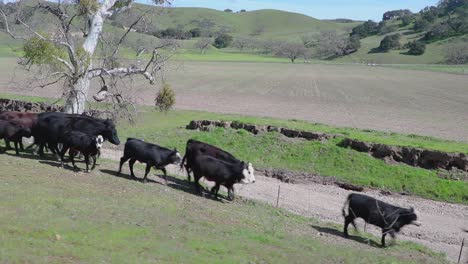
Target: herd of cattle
<point x="85" y="135"/>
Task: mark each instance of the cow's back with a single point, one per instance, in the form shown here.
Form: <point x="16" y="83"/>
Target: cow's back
<point x="27" y="120"/>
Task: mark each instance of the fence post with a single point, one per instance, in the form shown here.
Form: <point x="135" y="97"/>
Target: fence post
<point x="461" y="250"/>
<point x="277" y="198"/>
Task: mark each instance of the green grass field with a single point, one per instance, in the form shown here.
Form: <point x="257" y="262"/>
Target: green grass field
<point x="272" y="150"/>
<point x="53" y="215"/>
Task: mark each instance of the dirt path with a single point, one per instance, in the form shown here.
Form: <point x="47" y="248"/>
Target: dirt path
<point x="442" y="222"/>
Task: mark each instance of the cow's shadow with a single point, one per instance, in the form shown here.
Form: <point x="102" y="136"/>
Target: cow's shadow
<point x="339" y="233"/>
<point x="170" y="181"/>
<point x="127" y="176"/>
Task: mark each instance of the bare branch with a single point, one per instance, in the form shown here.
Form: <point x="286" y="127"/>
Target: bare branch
<point x="126" y="33"/>
<point x="7" y="28"/>
<point x="66" y="63"/>
<point x="53" y="82"/>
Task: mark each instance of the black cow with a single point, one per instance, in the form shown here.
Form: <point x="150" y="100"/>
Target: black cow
<point x="13" y="132"/>
<point x="151" y="154"/>
<point x="26" y="120"/>
<point x="221" y="172"/>
<point x="193" y="147"/>
<point x="386" y="216"/>
<point x="77" y="141"/>
<point x="51" y="127"/>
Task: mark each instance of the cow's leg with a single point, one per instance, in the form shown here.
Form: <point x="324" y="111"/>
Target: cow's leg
<point x="7" y="144"/>
<point x="16" y="147"/>
<point x="231" y="195"/>
<point x="165" y="173"/>
<point x="62" y="155"/>
<point x="72" y="155"/>
<point x="147" y="170"/>
<point x="384" y="233"/>
<point x="215" y="190"/>
<point x="348" y="219"/>
<point x="122" y="161"/>
<point x="130" y="164"/>
<point x="196" y="179"/>
<point x="94" y="162"/>
<point x="21" y="144"/>
<point x="86" y="157"/>
<point x="187" y="168"/>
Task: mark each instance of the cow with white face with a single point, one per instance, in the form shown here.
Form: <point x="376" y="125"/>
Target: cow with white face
<point x="221" y="172"/>
<point x="86" y="144"/>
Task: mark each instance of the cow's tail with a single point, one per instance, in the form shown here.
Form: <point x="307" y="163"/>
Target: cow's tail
<point x="346" y="204"/>
<point x="186" y="152"/>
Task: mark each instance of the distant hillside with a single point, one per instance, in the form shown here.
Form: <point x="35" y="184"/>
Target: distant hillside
<point x="266" y="24"/>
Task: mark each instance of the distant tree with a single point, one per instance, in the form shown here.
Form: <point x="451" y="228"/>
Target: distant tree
<point x="330" y="44"/>
<point x="241" y="43"/>
<point x="368" y="28"/>
<point x="421" y="25"/>
<point x="354" y="44"/>
<point x="406" y="20"/>
<point x="203" y="44"/>
<point x="243" y="11"/>
<point x="223" y="41"/>
<point x="385" y="28"/>
<point x="390" y="42"/>
<point x="309" y="40"/>
<point x="438" y="32"/>
<point x="396" y="14"/>
<point x="165" y="98"/>
<point x="457" y="54"/>
<point x="195" y="32"/>
<point x="429" y="13"/>
<point x="228" y="10"/>
<point x="270" y="46"/>
<point x="292" y="51"/>
<point x="416" y="48"/>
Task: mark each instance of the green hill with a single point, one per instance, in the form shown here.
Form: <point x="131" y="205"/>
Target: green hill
<point x="266" y="24"/>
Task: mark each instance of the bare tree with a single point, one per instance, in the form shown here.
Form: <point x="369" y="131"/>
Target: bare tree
<point x="330" y="44"/>
<point x="457" y="54"/>
<point x="292" y="51"/>
<point x="203" y="44"/>
<point x="69" y="57"/>
<point x="241" y="43"/>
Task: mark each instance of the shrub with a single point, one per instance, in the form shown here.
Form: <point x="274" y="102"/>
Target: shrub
<point x="165" y="99"/>
<point x="416" y="48"/>
<point x="195" y="32"/>
<point x="366" y="29"/>
<point x="228" y="10"/>
<point x="222" y="41"/>
<point x="390" y="42"/>
<point x="457" y="54"/>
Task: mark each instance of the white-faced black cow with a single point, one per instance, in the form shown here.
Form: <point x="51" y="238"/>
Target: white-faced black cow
<point x="386" y="216"/>
<point x="193" y="147"/>
<point x="221" y="172"/>
<point x="13" y="132"/>
<point x="151" y="154"/>
<point x="77" y="141"/>
<point x="50" y="128"/>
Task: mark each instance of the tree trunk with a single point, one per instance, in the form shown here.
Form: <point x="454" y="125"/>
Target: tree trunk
<point x="76" y="100"/>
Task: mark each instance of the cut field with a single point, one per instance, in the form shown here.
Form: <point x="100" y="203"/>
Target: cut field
<point x="377" y="98"/>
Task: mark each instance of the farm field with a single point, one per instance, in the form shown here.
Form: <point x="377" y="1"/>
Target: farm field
<point x="64" y="216"/>
<point x="379" y="98"/>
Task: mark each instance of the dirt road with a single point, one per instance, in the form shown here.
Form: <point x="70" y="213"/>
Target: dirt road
<point x="441" y="228"/>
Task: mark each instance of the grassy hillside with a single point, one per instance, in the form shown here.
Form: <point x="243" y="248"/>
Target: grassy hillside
<point x="276" y="24"/>
<point x="52" y="215"/>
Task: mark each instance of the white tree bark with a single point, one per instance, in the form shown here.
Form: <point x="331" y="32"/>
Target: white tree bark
<point x="76" y="100"/>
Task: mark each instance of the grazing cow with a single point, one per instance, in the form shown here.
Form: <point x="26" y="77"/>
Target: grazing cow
<point x="51" y="127"/>
<point x="194" y="146"/>
<point x="151" y="154"/>
<point x="77" y="141"/>
<point x="13" y="132"/>
<point x="221" y="172"/>
<point x="26" y="120"/>
<point x="386" y="216"/>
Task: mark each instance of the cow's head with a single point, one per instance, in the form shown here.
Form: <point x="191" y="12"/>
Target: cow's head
<point x="247" y="173"/>
<point x="110" y="132"/>
<point x="21" y="131"/>
<point x="175" y="157"/>
<point x="408" y="217"/>
<point x="99" y="141"/>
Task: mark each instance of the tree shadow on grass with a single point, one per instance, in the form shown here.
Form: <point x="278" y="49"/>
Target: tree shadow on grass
<point x="339" y="233"/>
